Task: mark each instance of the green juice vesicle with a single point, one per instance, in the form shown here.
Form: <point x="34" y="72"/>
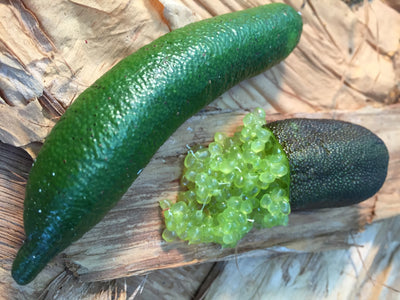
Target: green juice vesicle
<point x="231" y="186"/>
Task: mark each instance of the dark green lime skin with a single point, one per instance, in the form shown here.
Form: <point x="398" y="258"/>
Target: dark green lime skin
<point x="112" y="130"/>
<point x="332" y="163"/>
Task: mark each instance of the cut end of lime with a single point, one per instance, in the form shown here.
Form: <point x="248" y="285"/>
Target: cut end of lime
<point x="236" y="183"/>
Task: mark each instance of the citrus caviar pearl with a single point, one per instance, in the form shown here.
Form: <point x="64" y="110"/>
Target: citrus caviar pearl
<point x="236" y="183"/>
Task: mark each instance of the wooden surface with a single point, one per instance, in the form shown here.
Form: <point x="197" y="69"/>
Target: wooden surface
<point x="345" y="67"/>
<point x="367" y="269"/>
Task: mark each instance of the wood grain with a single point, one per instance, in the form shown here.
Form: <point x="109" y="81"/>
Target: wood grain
<point x="367" y="269"/>
<point x="128" y="242"/>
